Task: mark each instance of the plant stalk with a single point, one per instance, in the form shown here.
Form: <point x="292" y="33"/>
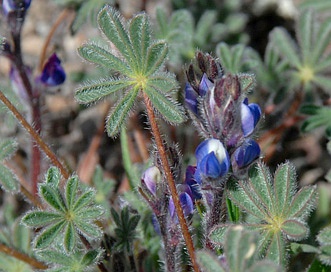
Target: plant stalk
<point x="49" y="153"/>
<point x="171" y="181"/>
<point x="22" y="257"/>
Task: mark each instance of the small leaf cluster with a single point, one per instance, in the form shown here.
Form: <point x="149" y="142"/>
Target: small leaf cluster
<point x="76" y="261"/>
<point x="319" y="116"/>
<point x="16" y="236"/>
<point x="274" y="208"/>
<point x="125" y="231"/>
<point x="68" y="215"/>
<point x="137" y="64"/>
<point x="309" y="58"/>
<point x="240" y="253"/>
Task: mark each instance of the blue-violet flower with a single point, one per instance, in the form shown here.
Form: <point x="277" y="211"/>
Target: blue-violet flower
<point x="212" y="159"/>
<point x="250" y="116"/>
<point x="245" y="154"/>
<point x="53" y="73"/>
<point x="186" y="203"/>
<point x="12" y="5"/>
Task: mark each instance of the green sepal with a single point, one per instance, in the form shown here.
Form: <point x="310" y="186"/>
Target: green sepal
<point x="38" y="219"/>
<point x="48" y="235"/>
<point x="120" y="112"/>
<point x="208" y="262"/>
<point x="8" y="179"/>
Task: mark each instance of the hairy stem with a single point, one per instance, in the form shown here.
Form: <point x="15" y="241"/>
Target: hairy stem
<point x="22" y="257"/>
<point x="171" y="181"/>
<point x="43" y="146"/>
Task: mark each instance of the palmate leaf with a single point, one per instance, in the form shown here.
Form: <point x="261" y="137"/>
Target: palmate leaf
<point x="309" y="57"/>
<point x="138" y="63"/>
<point x="276" y="210"/>
<point x="319" y="117"/>
<point x="69" y="213"/>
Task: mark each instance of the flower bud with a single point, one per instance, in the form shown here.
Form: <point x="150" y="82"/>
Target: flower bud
<point x="245" y="154"/>
<point x="150" y="178"/>
<point x="186" y="203"/>
<point x="250" y="116"/>
<point x="212" y="159"/>
<point x="53" y="73"/>
<point x="193" y="183"/>
<point x="15" y="6"/>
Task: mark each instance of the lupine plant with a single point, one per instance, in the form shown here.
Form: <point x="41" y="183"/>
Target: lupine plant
<point x="208" y="203"/>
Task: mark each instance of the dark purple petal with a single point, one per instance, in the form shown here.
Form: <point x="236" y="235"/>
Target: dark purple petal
<point x="193" y="183"/>
<point x="186" y="203"/>
<point x="205" y="85"/>
<point x="248" y="152"/>
<point x="191" y="97"/>
<point x="250" y="115"/>
<point x="53" y="73"/>
<point x="12" y="5"/>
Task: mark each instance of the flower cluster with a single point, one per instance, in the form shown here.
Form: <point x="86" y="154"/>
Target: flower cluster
<point x="221" y="112"/>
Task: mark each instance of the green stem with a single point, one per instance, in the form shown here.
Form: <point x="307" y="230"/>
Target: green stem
<point x="171" y="181"/>
<point x="129" y="170"/>
<point x="43" y="146"/>
<point x="22" y="257"/>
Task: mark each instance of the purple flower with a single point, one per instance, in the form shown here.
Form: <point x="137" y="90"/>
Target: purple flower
<point x="186" y="203"/>
<point x="193" y="183"/>
<point x="245" y="154"/>
<point x="192" y="95"/>
<point x="150" y="178"/>
<point x="12" y="5"/>
<point x="212" y="159"/>
<point x="53" y="73"/>
<point x="250" y="116"/>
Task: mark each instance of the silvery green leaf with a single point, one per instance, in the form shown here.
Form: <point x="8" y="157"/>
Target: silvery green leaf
<point x="70" y="237"/>
<point x="208" y="262"/>
<point x="7" y="148"/>
<point x="38" y="219"/>
<point x="295" y="230"/>
<point x="8" y="180"/>
<point x="71" y="190"/>
<point x="170" y="110"/>
<point x="120" y="112"/>
<point x="112" y="24"/>
<point x="85" y="199"/>
<point x="52" y="196"/>
<point x="100" y="56"/>
<point x="49" y="234"/>
<point x="98" y="90"/>
<point x="53" y="176"/>
<point x="88" y="229"/>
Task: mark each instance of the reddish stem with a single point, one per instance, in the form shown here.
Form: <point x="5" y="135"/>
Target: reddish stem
<point x="171" y="181"/>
